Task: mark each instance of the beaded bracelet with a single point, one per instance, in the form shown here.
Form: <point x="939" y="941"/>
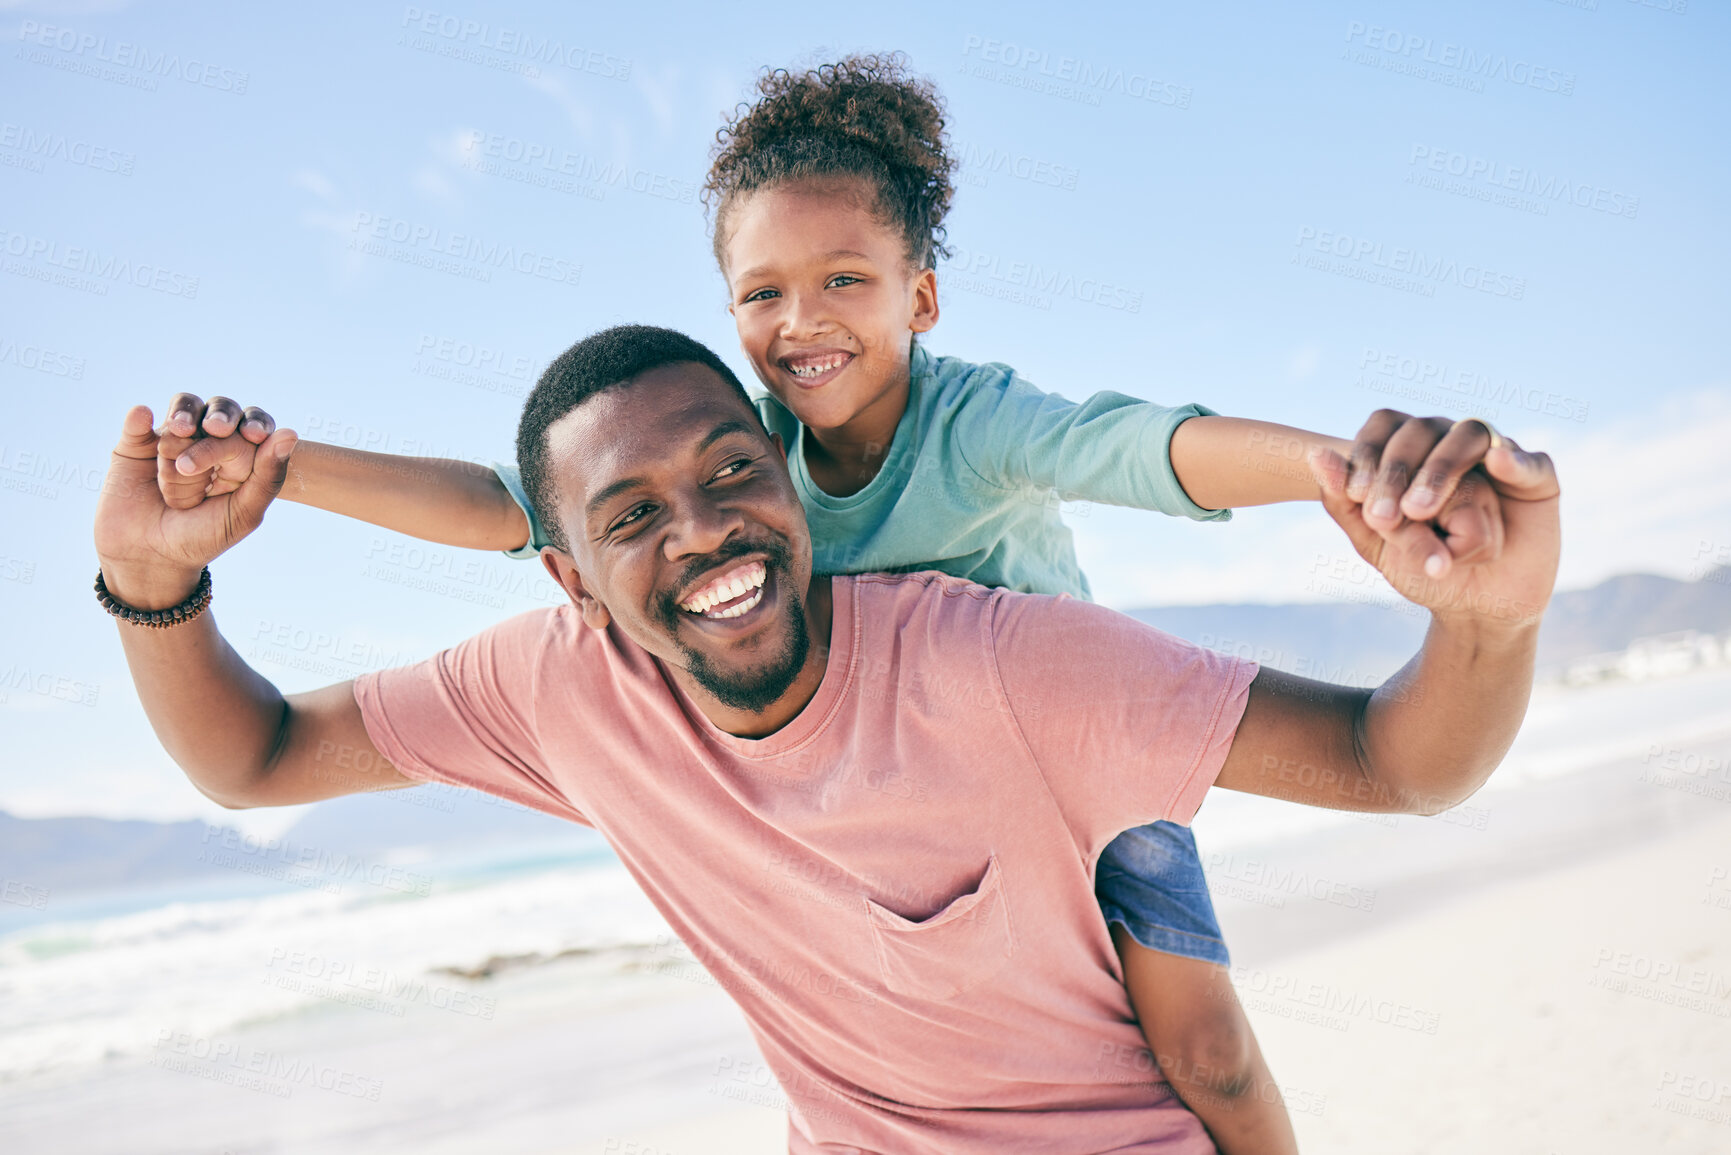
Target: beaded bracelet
<point x="194" y="605"/>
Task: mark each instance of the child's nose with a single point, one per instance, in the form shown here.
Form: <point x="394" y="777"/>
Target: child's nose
<point x="802" y="317"/>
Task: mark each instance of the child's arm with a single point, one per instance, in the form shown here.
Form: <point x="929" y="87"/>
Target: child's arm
<point x="436" y="499"/>
<point x="1187" y="461"/>
<point x="1226" y="462"/>
<point x="433" y="498"/>
<point x="1229" y="462"/>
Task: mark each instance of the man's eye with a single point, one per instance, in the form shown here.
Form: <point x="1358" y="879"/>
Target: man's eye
<point x="637" y="513"/>
<point x="761" y="295"/>
<point x="732" y="468"/>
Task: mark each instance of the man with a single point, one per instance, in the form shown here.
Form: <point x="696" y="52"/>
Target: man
<point x="871" y="806"/>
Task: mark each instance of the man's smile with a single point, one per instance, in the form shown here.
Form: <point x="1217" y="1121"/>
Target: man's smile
<point x="735" y="592"/>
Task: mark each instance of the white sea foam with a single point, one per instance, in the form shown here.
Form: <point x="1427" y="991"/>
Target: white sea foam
<point x="1566" y="730"/>
<point x="73" y="993"/>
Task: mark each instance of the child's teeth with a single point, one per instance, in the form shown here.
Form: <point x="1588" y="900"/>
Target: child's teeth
<point x="819" y="367"/>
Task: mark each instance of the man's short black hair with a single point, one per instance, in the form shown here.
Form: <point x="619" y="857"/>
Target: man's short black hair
<point x="605" y="360"/>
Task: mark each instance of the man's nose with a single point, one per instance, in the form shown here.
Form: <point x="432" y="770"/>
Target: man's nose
<point x="701" y="526"/>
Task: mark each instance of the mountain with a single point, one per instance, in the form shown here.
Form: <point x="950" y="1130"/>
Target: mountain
<point x="1360" y="642"/>
<point x="434" y="817"/>
<point x="64" y="854"/>
<point x="1619" y="610"/>
<point x="68" y="855"/>
<point x="1357" y="643"/>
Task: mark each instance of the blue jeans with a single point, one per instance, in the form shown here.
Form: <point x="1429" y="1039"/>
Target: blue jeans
<point x="1149" y="880"/>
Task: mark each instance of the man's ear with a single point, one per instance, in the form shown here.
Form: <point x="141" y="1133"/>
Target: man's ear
<point x="925" y="314"/>
<point x="564" y="571"/>
<point x="775" y="439"/>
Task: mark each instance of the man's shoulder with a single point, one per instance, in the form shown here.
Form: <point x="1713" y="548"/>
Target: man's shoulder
<point x="520" y="645"/>
<point x="915" y="590"/>
<point x="941" y="604"/>
<point x="944" y="602"/>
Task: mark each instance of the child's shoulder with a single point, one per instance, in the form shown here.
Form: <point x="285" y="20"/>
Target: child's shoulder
<point x="985" y="394"/>
<point x="955" y="381"/>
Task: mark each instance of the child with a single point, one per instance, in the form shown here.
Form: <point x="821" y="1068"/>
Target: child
<point x="829" y="194"/>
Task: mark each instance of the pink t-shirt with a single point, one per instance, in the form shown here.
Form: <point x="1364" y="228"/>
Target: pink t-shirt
<point x="897" y="886"/>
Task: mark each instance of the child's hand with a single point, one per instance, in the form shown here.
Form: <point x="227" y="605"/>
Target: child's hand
<point x="1422" y="485"/>
<point x="205" y="449"/>
<point x="1508" y="588"/>
<point x="1410" y="466"/>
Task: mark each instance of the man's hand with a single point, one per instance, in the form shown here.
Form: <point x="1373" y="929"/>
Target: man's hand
<point x="207" y="449"/>
<point x="1229" y="462"/>
<point x="1406" y="470"/>
<point x="1431" y="734"/>
<point x="151" y="551"/>
<point x="1467" y="480"/>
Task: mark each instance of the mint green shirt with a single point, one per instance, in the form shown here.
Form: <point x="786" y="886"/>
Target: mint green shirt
<point x="980" y="462"/>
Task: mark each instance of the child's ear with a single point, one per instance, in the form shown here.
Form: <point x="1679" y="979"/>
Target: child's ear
<point x="925" y="313"/>
<point x="564" y="571"/>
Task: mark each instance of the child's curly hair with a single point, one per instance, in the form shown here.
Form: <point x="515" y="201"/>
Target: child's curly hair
<point x="861" y="116"/>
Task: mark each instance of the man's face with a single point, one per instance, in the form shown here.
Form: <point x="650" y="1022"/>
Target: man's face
<point x="686" y="531"/>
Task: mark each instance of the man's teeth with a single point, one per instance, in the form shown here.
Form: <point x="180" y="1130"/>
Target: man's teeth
<point x="742" y="607"/>
<point x="817" y="367"/>
<point x="748" y="578"/>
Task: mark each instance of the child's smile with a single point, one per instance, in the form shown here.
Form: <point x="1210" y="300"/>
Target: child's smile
<point x="816" y="367"/>
<point x="827" y="301"/>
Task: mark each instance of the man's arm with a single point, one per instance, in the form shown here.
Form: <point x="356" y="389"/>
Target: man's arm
<point x="435" y="499"/>
<point x="1432" y="734"/>
<point x="240" y="741"/>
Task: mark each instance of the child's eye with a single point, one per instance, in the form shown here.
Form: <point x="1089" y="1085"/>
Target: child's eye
<point x="842" y="280"/>
<point x="761" y="295"/>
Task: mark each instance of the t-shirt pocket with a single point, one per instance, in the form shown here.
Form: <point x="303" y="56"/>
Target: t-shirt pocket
<point x="964" y="944"/>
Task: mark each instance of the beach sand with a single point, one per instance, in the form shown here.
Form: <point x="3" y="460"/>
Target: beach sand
<point x="1586" y="1010"/>
<point x="1548" y="970"/>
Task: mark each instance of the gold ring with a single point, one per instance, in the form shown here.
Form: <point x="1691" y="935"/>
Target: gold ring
<point x="1497" y="439"/>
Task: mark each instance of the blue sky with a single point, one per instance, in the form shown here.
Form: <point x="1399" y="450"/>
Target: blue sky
<point x="1294" y="212"/>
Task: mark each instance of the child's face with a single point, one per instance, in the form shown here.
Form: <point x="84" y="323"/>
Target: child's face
<point x="826" y="300"/>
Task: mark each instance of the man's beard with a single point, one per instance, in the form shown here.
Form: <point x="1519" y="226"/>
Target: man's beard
<point x="758" y="689"/>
